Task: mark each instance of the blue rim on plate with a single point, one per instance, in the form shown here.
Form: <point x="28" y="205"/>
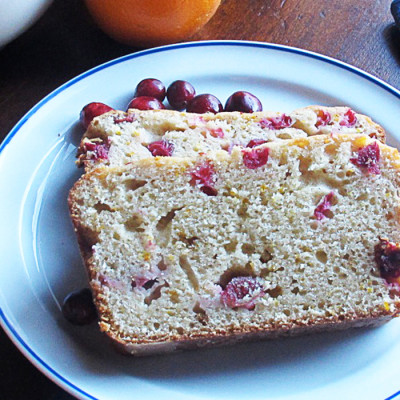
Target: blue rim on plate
<point x="6" y="324"/>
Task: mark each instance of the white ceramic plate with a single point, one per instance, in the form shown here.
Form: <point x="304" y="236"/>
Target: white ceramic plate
<point x="41" y="263"/>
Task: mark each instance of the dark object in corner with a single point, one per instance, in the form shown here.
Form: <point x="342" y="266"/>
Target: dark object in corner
<point x="395" y="10"/>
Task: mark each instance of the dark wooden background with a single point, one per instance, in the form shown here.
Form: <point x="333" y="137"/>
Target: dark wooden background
<point x="65" y="42"/>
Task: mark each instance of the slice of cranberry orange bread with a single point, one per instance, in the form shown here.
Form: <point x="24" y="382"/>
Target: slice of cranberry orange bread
<point x="118" y="138"/>
<point x="291" y="236"/>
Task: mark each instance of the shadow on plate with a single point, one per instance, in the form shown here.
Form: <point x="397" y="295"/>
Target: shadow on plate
<point x="277" y="367"/>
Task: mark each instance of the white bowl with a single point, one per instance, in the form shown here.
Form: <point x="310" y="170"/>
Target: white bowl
<point x="18" y="15"/>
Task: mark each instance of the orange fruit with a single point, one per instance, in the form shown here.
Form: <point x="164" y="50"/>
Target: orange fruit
<point x="151" y="22"/>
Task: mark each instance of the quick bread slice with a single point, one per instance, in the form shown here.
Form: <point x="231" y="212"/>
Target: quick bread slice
<point x="118" y="138"/>
<point x="289" y="237"/>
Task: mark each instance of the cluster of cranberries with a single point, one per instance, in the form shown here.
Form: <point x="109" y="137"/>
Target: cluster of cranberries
<point x="181" y="95"/>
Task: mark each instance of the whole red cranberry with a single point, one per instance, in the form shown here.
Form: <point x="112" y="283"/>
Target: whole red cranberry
<point x="146" y="103"/>
<point x="179" y="93"/>
<point x="91" y="111"/>
<point x="243" y="102"/>
<point x="204" y="103"/>
<point x="78" y="307"/>
<point x="152" y="88"/>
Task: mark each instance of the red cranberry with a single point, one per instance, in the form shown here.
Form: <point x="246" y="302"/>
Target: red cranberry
<point x="323" y="118"/>
<point x="387" y="257"/>
<point x="256" y="142"/>
<point x="99" y="150"/>
<point x="256" y="157"/>
<point x="368" y="159"/>
<point x="243" y="102"/>
<point x="91" y="111"/>
<point x="152" y="88"/>
<point x="204" y="103"/>
<point x="242" y="291"/>
<point x="349" y="119"/>
<point x="179" y="93"/>
<point x="204" y="177"/>
<point x="161" y="148"/>
<point x="146" y="103"/>
<point x="323" y="208"/>
<point x="78" y="307"/>
<point x="278" y="122"/>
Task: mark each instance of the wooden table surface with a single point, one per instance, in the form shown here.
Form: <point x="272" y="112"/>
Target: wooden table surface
<point x="65" y="42"/>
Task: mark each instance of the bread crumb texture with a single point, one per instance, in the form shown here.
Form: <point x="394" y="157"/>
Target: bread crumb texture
<point x="270" y="238"/>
